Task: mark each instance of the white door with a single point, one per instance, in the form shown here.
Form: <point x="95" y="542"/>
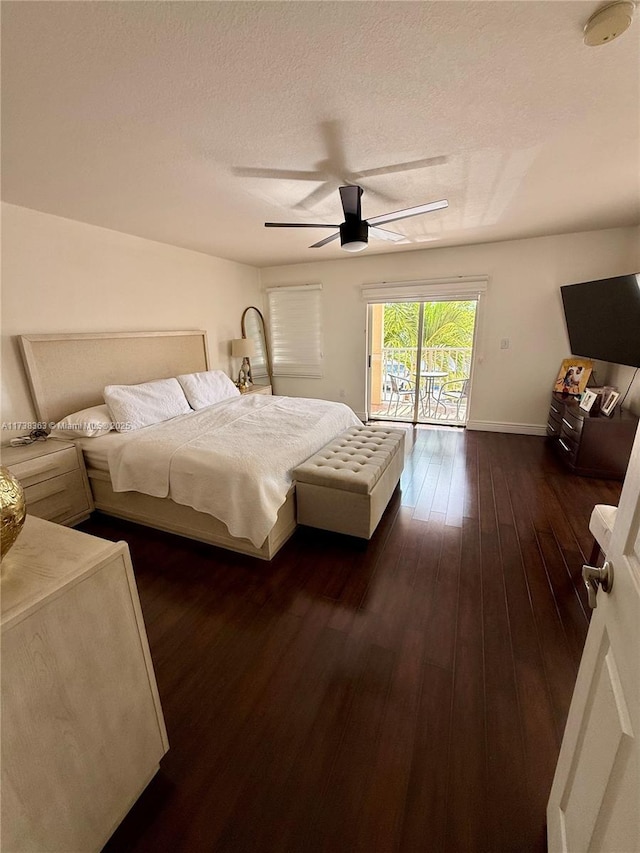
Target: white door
<point x="594" y="803"/>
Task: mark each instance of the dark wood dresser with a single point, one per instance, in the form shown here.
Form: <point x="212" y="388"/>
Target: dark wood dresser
<point x="591" y="445"/>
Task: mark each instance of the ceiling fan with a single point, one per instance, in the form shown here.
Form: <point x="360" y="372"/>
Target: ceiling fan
<point x="354" y="231"/>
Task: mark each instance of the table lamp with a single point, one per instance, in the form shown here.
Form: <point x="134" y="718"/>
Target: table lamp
<point x="243" y="348"/>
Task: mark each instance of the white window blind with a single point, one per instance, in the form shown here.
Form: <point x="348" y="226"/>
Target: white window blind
<point x="426" y="290"/>
<point x="295" y="326"/>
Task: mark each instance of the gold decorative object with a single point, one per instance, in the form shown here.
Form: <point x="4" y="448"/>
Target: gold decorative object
<point x="243" y="348"/>
<point x="13" y="509"/>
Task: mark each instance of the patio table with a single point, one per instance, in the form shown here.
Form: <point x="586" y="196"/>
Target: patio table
<point x="428" y="378"/>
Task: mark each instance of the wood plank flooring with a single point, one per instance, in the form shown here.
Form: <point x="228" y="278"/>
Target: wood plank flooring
<point x="406" y="694"/>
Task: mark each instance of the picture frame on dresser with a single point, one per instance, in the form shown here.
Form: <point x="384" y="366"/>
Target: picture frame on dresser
<point x="573" y="376"/>
<point x="610" y="403"/>
<point x="587" y="400"/>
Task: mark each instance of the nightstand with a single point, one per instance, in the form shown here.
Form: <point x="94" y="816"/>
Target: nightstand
<point x="258" y="389"/>
<point x="54" y="479"/>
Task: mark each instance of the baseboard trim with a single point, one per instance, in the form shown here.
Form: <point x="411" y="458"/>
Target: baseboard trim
<point x="521" y="429"/>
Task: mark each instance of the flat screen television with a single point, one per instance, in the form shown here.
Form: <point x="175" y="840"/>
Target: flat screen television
<point x="603" y="319"/>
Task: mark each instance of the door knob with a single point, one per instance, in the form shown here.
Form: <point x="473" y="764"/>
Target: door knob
<point x="594" y="577"/>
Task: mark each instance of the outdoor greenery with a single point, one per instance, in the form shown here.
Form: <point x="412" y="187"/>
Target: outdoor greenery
<point x="447" y="335"/>
<point x="446" y="324"/>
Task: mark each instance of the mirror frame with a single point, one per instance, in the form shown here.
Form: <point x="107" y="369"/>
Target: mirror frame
<point x="264" y="332"/>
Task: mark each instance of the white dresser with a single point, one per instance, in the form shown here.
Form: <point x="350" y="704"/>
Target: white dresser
<point x="82" y="727"/>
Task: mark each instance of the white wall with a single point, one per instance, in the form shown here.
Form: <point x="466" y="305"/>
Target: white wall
<point x="511" y="387"/>
<point x="59" y="275"/>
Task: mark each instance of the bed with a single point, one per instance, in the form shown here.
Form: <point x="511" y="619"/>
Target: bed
<point x="69" y="372"/>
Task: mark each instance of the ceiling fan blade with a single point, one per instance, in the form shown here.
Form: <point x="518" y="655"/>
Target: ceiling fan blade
<point x="278" y="174"/>
<point x="410" y="211"/>
<point x="374" y="193"/>
<point x="298" y="225"/>
<point x="316" y="195"/>
<point x="333" y="142"/>
<point x="325" y="241"/>
<point x="401" y="167"/>
<point x="383" y="234"/>
<point x="350" y="197"/>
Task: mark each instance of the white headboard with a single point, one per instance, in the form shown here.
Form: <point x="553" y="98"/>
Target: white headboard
<point x="68" y="372"/>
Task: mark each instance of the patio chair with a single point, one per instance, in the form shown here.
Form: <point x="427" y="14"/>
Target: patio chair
<point x="401" y="388"/>
<point x="455" y="391"/>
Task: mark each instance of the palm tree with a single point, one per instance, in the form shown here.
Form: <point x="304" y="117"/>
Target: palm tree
<point x="401" y="324"/>
<point x="445" y="324"/>
<point x="448" y="324"/>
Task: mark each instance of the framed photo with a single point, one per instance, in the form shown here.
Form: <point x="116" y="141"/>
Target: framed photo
<point x="610" y="403"/>
<point x="587" y="400"/>
<point x="573" y="376"/>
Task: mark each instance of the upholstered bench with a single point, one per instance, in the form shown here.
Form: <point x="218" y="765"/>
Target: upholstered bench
<point x="346" y="486"/>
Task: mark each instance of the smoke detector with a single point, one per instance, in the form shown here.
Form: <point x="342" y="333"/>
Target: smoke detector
<point x="608" y="23"/>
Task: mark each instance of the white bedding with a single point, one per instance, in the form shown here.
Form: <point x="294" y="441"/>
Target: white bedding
<point x="96" y="450"/>
<point x="233" y="460"/>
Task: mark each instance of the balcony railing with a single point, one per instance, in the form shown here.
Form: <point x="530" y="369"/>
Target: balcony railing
<point x="454" y="361"/>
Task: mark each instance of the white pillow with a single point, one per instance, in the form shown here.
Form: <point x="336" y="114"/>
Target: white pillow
<point x="136" y="406"/>
<point x="205" y="389"/>
<point x="87" y="423"/>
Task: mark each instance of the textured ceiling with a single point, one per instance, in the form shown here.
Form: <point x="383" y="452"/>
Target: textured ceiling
<point x="166" y="119"/>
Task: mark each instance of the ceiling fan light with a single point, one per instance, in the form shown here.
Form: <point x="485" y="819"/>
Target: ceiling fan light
<point x="355" y="246"/>
<point x="354" y="234"/>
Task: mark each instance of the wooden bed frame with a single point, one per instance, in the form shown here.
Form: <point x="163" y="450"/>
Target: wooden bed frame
<point x="68" y="372"/>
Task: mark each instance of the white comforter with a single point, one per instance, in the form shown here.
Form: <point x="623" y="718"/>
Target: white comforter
<point x="233" y="460"/>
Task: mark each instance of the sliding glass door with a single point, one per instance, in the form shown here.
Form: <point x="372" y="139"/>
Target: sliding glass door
<point x="419" y="358"/>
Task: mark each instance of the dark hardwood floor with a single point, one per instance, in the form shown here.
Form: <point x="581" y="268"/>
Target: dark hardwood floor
<point x="406" y="694"/>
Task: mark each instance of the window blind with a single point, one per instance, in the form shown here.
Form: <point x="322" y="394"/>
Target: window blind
<point x="295" y="327"/>
<point x="456" y="289"/>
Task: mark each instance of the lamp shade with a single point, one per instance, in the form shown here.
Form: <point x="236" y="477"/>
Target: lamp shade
<point x="243" y="348"/>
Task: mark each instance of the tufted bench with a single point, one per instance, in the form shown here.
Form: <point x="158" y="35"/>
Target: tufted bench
<point x="346" y="486"/>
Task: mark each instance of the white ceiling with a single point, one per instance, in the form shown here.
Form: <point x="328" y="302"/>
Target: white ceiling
<point x="153" y="118"/>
